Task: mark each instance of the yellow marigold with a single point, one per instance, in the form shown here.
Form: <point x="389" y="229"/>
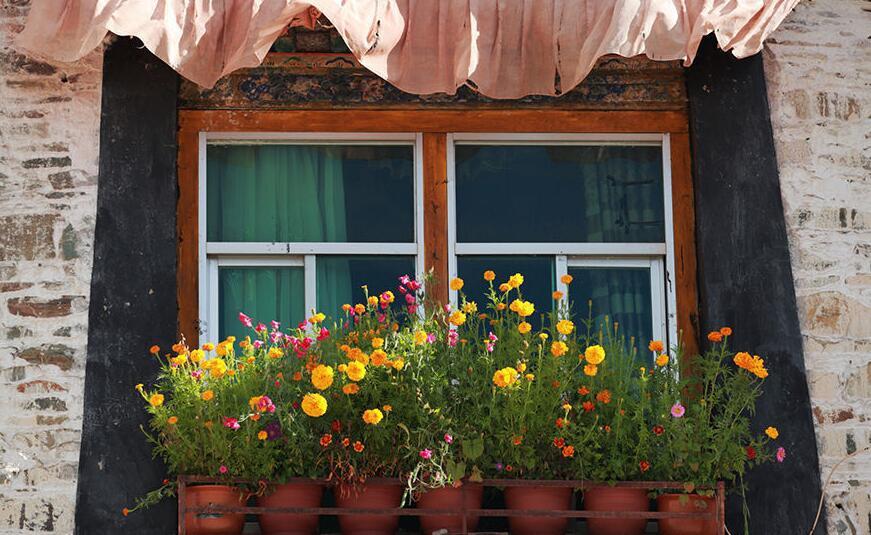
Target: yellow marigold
<point x="222" y="349"/>
<point x="772" y="433"/>
<point x="373" y="301"/>
<point x="456" y="284"/>
<point x="322" y="377"/>
<point x="275" y="353"/>
<point x="208" y="395"/>
<point x="251" y="360"/>
<point x="317" y="318"/>
<point x="379" y="357"/>
<point x="595" y="354"/>
<point x="351" y="388"/>
<point x="388" y="297"/>
<point x="314" y="405"/>
<point x="521" y="367"/>
<point x="398" y="364"/>
<point x="524" y="327"/>
<point x="457" y="318"/>
<point x="172" y="420"/>
<point x="197" y="355"/>
<point x="216" y="367"/>
<point x="372" y="416"/>
<point x="230" y="340"/>
<point x="419" y="337"/>
<point x="591" y="369"/>
<point x="356" y="371"/>
<point x="565" y="327"/>
<point x="262" y="435"/>
<point x="489" y="275"/>
<point x="179" y="360"/>
<point x="156" y="400"/>
<point x="515" y="281"/>
<point x="346" y="307"/>
<point x="470" y="307"/>
<point x="656" y="346"/>
<point x="377" y="342"/>
<point x="543" y="336"/>
<point x="522" y="308"/>
<point x="566" y="279"/>
<point x="231" y="373"/>
<point x="504" y="287"/>
<point x="558" y="349"/>
<point x="359" y="308"/>
<point x="557" y="295"/>
<point x="662" y="360"/>
<point x="505" y="377"/>
<point x="530" y="376"/>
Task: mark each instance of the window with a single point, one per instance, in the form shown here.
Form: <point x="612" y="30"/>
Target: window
<point x="298" y="222"/>
<point x="589" y="206"/>
<point x="294" y="210"/>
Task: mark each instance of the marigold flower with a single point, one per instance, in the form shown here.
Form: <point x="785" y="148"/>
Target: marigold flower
<point x="504" y="287"/>
<point x="588" y="406"/>
<point x="591" y="370"/>
<point x="662" y="360"/>
<point x="583" y="391"/>
<point x="419" y="337"/>
<point x="156" y="400"/>
<point x="359" y="447"/>
<point x="656" y="346"/>
<point x="658" y="430"/>
<point x="726" y="331"/>
<point x="398" y="364"/>
<point x="359" y="308"/>
<point x="314" y="405"/>
<point x="326" y="440"/>
<point x="379" y="357"/>
<point x="489" y="276"/>
<point x="208" y="395"/>
<point x="154" y="350"/>
<point x="207" y="424"/>
<point x="317" y="318"/>
<point x="172" y="420"/>
<point x="356" y="371"/>
<point x="322" y="377"/>
<point x="566" y="279"/>
<point x="208" y="346"/>
<point x="125" y="511"/>
<point x="560" y="422"/>
<point x="457" y="318"/>
<point x="456" y="284"/>
<point x="604" y="396"/>
<point x="351" y="388"/>
<point x="387" y="408"/>
<point x="644" y="466"/>
<point x="559" y="443"/>
<point x="346" y="307"/>
<point x="529" y="376"/>
<point x="522" y="308"/>
<point x="569" y="451"/>
<point x="715" y="336"/>
<point x="558" y="349"/>
<point x="377" y="342"/>
<point x="470" y="307"/>
<point x="524" y="327"/>
<point x="565" y="327"/>
<point x="557" y="295"/>
<point x="595" y="354"/>
<point x="515" y="281"/>
<point x="275" y="353"/>
<point x="372" y="416"/>
<point x="517" y="440"/>
<point x="505" y="377"/>
<point x="772" y="433"/>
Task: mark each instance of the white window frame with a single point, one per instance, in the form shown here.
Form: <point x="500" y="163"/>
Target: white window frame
<point x="658" y="257"/>
<point x="214" y="255"/>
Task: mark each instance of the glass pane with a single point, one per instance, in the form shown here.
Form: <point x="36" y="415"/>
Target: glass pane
<point x="340" y="278"/>
<point x="572" y="194"/>
<point x="623" y="294"/>
<point x="538" y="274"/>
<point x="263" y="293"/>
<point x="310" y="193"/>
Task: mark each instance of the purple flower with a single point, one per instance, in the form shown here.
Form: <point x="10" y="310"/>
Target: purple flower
<point x="781" y="454"/>
<point x="273" y="430"/>
<point x="431" y="338"/>
<point x="426" y="454"/>
<point x="677" y="410"/>
<point x="245" y="320"/>
<point x="264" y="404"/>
<point x="448" y="438"/>
<point x="498" y="467"/>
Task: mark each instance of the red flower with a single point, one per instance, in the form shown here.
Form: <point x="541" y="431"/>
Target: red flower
<point x="583" y="391"/>
<point x="588" y="406"/>
<point x="559" y="443"/>
<point x="326" y="440"/>
<point x="644" y="465"/>
<point x="751" y="453"/>
<point x="560" y="422"/>
<point x="336" y="426"/>
<point x="658" y="430"/>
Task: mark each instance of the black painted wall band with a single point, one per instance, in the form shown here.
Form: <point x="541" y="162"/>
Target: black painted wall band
<point x="133" y="290"/>
<point x="745" y="277"/>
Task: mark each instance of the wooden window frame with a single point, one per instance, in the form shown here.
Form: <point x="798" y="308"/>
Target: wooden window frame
<point x="434" y="126"/>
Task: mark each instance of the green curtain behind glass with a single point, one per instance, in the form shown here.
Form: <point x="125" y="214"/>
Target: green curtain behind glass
<point x="276" y="193"/>
<point x="265" y="294"/>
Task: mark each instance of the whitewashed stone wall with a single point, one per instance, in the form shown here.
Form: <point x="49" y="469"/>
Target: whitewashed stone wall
<point x="818" y="69"/>
<point x="49" y="137"/>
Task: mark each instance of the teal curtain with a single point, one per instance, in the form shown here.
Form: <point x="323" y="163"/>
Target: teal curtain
<point x="275" y="193"/>
<point x="265" y="294"/>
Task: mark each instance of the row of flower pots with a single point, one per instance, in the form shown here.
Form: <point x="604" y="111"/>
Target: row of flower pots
<point x="381" y="495"/>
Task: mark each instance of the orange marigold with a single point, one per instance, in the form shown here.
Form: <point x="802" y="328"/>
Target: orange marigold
<point x="569" y="451"/>
<point x="604" y="396"/>
<point x="715" y="336"/>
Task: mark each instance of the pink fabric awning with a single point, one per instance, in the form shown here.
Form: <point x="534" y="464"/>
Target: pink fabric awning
<point x="504" y="48"/>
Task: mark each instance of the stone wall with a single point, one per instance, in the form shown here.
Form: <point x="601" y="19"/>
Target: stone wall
<point x="49" y="138"/>
<point x="818" y="68"/>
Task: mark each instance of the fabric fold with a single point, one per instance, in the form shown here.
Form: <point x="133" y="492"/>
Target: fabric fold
<point x="503" y="48"/>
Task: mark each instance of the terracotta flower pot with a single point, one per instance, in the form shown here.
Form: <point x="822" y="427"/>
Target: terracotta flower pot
<point x="213" y="523"/>
<point x="450" y="498"/>
<point x="541" y="498"/>
<point x="616" y="499"/>
<point x="290" y="495"/>
<point x="370" y="495"/>
<point x="691" y="503"/>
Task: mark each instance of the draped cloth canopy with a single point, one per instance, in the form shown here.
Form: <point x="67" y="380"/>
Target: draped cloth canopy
<point x="503" y="48"/>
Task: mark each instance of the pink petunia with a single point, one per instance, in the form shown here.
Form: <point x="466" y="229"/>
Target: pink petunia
<point x="245" y="320"/>
<point x="231" y="423"/>
<point x="426" y="454"/>
<point x="453" y="338"/>
<point x="781" y="454"/>
<point x="260" y="328"/>
<point x="448" y="438"/>
<point x="258" y="344"/>
<point x="323" y="334"/>
<point x="677" y="410"/>
<point x="223" y="469"/>
<point x="275" y="325"/>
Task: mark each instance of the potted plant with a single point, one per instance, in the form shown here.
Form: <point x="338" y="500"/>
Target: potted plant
<point x="703" y="432"/>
